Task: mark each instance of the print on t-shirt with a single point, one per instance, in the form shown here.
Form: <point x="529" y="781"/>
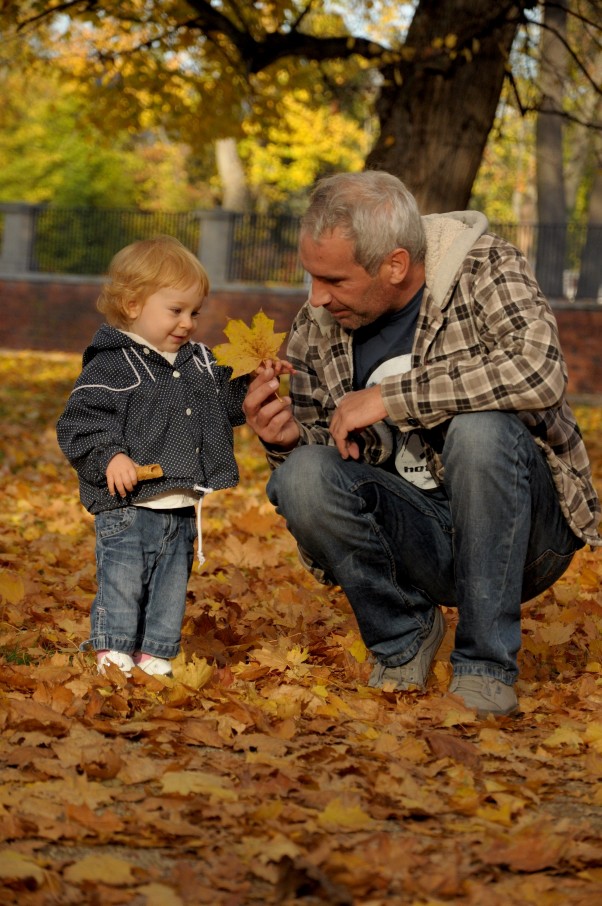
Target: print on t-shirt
<point x="410" y="458"/>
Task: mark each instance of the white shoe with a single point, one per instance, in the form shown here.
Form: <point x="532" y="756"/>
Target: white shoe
<point x="155" y="666"/>
<point x="485" y="694"/>
<point x="119" y="659"/>
<point x="414" y="673"/>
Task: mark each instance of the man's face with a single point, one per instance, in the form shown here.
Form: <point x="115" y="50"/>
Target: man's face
<point x="342" y="286"/>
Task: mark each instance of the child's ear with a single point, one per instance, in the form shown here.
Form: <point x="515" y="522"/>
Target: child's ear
<point x="133" y="309"/>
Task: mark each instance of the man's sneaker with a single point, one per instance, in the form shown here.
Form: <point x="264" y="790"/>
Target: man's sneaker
<point x="485" y="694"/>
<point x="119" y="658"/>
<point x="416" y="671"/>
<point x="154" y="666"/>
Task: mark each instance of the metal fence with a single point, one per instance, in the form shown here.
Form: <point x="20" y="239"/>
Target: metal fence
<point x="83" y="240"/>
<point x="262" y="248"/>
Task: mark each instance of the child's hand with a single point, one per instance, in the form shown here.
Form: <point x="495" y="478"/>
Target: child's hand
<point x="121" y="475"/>
<point x="280" y="366"/>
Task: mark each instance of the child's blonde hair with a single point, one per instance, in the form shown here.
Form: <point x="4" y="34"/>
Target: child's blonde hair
<point x="141" y="269"/>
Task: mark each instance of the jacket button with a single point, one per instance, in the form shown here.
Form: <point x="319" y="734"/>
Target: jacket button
<point x="189" y="412"/>
<point x="176" y="374"/>
<point x="146" y="350"/>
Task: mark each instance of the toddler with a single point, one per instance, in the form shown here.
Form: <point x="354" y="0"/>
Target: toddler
<point x="148" y="394"/>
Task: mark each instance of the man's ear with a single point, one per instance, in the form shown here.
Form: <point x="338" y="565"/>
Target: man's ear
<point x="399" y="263"/>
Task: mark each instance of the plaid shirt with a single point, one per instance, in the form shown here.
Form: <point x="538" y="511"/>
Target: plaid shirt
<point x="486" y="339"/>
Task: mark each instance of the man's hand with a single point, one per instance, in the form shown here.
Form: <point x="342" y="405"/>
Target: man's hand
<point x="121" y="475"/>
<point x="357" y="410"/>
<point x="269" y="415"/>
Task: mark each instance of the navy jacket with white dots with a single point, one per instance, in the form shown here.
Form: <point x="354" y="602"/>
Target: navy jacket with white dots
<point x="130" y="399"/>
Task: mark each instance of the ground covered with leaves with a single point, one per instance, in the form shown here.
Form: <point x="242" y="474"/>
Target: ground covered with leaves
<point x="266" y="771"/>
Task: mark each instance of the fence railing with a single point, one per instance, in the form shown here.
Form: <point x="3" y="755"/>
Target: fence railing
<point x="249" y="248"/>
<point x="83" y="240"/>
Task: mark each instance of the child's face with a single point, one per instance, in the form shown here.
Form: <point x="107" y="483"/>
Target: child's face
<point x="168" y="318"/>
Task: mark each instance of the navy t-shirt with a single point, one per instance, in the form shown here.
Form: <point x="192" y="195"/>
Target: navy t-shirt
<point x="384" y="348"/>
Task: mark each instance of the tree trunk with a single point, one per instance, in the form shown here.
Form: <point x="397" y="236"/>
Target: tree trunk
<point x="551" y="197"/>
<point x="235" y="195"/>
<point x="590" y="276"/>
<point x="436" y="109"/>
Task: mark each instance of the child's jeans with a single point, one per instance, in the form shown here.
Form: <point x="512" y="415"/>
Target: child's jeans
<point x="143" y="563"/>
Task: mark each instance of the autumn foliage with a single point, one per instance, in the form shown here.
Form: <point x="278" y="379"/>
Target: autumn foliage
<point x="266" y="771"/>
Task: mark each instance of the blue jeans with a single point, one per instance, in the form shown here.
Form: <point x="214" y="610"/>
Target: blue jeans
<point x="143" y="563"/>
<point x="492" y="536"/>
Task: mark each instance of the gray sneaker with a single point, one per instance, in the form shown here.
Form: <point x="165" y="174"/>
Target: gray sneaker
<point x="416" y="671"/>
<point x="485" y="694"/>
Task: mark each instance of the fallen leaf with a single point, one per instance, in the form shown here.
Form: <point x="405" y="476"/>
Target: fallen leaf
<point x="188" y="783"/>
<point x="15" y="866"/>
<point x="344" y="817"/>
<point x="101" y="869"/>
<point x="12" y="588"/>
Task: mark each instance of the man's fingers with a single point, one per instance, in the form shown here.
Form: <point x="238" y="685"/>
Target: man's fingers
<point x="274" y="413"/>
<point x="258" y="394"/>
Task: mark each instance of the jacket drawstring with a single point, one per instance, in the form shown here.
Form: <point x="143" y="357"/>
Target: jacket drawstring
<point x="208" y="366"/>
<point x="199" y="530"/>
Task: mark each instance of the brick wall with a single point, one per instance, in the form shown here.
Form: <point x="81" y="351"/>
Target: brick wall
<point x="581" y="338"/>
<point x="59" y="314"/>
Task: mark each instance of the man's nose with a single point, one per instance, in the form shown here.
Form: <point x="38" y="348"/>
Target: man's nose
<point x="319" y="294"/>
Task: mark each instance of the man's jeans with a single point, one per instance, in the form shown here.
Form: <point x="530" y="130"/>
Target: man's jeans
<point x="492" y="537"/>
<point x="143" y="563"/>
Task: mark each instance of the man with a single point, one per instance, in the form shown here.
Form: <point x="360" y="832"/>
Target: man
<point x="426" y="455"/>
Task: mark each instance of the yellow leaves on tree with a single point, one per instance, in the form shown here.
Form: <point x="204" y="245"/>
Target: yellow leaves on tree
<point x="249" y="346"/>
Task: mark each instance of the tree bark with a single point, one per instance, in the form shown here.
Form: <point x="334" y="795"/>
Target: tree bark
<point x="235" y="195"/>
<point x="436" y="110"/>
<point x="551" y="196"/>
<point x="589" y="285"/>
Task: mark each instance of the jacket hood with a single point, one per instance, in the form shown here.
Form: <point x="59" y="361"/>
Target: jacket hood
<point x="449" y="238"/>
<point x="107" y="337"/>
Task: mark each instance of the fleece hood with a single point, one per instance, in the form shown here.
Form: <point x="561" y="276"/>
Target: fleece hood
<point x="449" y="238"/>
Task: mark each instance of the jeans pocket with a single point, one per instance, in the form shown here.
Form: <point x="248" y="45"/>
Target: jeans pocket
<point x="192" y="528"/>
<point x="544" y="571"/>
<point x="112" y="522"/>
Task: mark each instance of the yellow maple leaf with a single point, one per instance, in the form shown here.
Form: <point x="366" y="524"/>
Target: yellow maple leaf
<point x="195" y="673"/>
<point x="11" y="587"/>
<point x="593" y="736"/>
<point x="248" y="346"/>
<point x="563" y="736"/>
<point x="15" y="866"/>
<point x="358" y="651"/>
<point x="344" y="817"/>
<point x="103" y="868"/>
<point x="195" y="783"/>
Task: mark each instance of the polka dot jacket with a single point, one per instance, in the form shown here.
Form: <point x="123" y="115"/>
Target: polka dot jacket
<point x="129" y="399"/>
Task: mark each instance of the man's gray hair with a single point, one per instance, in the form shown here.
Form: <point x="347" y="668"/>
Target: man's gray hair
<point x="374" y="209"/>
